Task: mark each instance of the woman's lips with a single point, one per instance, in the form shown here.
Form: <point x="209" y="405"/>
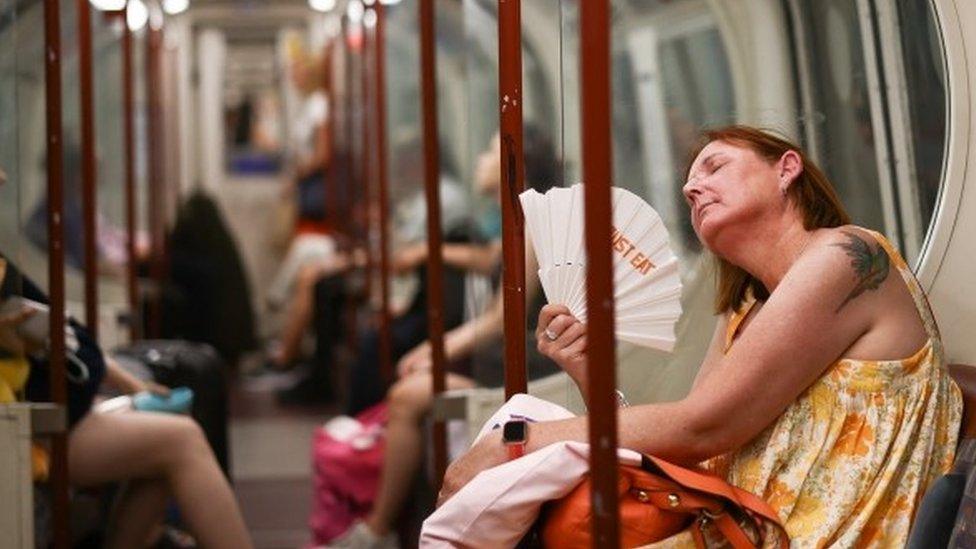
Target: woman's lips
<point x="701" y="209"/>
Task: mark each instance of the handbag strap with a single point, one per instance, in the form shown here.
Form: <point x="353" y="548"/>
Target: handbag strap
<point x="715" y="486"/>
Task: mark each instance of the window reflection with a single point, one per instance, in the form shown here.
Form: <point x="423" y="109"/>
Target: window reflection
<point x="839" y="129"/>
<point x="924" y="67"/>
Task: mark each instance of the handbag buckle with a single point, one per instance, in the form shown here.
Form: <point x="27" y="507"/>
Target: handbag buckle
<point x="708" y="513"/>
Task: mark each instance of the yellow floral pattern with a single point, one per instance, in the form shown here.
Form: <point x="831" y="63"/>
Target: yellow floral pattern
<point x="848" y="462"/>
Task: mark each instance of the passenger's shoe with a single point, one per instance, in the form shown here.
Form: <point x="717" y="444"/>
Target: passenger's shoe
<point x="359" y="536"/>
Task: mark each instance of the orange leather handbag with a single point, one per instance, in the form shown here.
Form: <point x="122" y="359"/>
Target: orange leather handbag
<point x="659" y="500"/>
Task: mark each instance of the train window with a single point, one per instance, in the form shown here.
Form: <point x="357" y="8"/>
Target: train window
<point x="109" y="137"/>
<point x="541" y="98"/>
<point x="865" y="71"/>
<point x="29" y="161"/>
<point x="925" y="101"/>
<point x="74" y="248"/>
<point x="671" y="75"/>
<point x="9" y="128"/>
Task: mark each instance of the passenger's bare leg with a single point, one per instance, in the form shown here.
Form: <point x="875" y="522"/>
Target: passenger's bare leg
<point x="139" y="510"/>
<point x="409" y="399"/>
<point x="113" y="447"/>
<point x="302" y="305"/>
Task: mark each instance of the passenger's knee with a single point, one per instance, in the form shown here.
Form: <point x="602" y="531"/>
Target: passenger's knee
<point x="186" y="440"/>
<point x="410" y="396"/>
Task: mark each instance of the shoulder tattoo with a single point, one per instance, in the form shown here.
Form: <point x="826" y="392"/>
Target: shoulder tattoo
<point x="870" y="265"/>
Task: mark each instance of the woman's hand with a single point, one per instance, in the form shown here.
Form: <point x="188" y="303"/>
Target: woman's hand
<point x="561" y="337"/>
<point x="149" y="386"/>
<point x="487" y="453"/>
<point x="417" y="360"/>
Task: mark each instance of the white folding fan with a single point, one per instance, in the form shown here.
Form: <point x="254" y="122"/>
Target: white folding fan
<point x="646" y="281"/>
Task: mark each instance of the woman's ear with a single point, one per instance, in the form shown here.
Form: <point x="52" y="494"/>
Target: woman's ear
<point x="790" y="167"/>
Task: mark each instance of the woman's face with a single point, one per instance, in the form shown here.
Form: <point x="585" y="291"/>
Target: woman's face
<point x="488" y="172"/>
<point x="730" y="184"/>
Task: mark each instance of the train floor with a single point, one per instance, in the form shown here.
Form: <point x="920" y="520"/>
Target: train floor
<point x="270" y="444"/>
<point x="271" y="463"/>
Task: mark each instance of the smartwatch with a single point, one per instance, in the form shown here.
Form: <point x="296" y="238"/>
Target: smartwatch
<point x="514" y="436"/>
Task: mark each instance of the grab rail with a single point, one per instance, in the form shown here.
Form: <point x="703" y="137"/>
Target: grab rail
<point x="513" y="183"/>
<point x="595" y="102"/>
<point x="55" y="249"/>
<point x="386" y="343"/>
<point x="435" y="259"/>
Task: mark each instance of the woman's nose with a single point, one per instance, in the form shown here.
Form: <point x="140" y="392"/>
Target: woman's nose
<point x="690" y="189"/>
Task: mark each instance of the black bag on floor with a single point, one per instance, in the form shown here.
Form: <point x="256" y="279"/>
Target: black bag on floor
<point x="177" y="363"/>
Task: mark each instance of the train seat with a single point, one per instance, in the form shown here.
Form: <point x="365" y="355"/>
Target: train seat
<point x="946" y="511"/>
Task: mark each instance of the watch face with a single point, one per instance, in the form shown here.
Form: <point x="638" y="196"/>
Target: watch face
<point x="514" y="431"/>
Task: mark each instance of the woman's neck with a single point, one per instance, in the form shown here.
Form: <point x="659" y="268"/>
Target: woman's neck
<point x="768" y="251"/>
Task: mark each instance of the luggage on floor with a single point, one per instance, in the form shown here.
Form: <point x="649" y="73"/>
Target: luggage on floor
<point x="347" y="456"/>
<point x="177" y="363"/>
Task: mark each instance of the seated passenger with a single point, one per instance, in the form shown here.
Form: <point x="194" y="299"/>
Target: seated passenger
<point x="159" y="456"/>
<point x="408" y="228"/>
<point x="824" y="389"/>
<point x="411" y="397"/>
<point x="320" y="292"/>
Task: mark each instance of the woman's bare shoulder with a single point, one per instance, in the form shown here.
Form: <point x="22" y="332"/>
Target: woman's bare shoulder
<point x="876" y="292"/>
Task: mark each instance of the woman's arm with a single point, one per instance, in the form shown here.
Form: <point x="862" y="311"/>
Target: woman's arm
<point x="459" y="342"/>
<point x="790" y="341"/>
<point x="483" y="329"/>
<point x="478" y="258"/>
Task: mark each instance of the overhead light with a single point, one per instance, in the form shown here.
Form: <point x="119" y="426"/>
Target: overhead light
<point x="173" y="7"/>
<point x="108" y="5"/>
<point x="136" y="15"/>
<point x="369" y="19"/>
<point x="389" y="2"/>
<point x="354" y="11"/>
<point x="322" y="5"/>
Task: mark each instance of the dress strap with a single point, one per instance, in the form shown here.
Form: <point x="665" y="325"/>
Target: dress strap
<point x="918" y="294"/>
<point x="735" y="320"/>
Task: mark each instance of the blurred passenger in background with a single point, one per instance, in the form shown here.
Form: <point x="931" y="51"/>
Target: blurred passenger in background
<point x="321" y="289"/>
<point x="159" y="456"/>
<point x="411" y="397"/>
<point x="310" y="152"/>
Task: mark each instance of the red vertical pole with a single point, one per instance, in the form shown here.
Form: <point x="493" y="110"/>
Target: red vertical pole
<point x="89" y="195"/>
<point x="55" y="248"/>
<point x="329" y="178"/>
<point x="157" y="206"/>
<point x="597" y="174"/>
<point x="386" y="350"/>
<point x="435" y="261"/>
<point x="513" y="173"/>
<point x="130" y="180"/>
<point x="365" y="174"/>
